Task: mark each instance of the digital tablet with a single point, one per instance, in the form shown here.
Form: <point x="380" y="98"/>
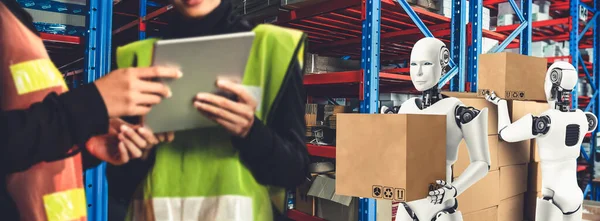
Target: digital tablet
<point x="202" y="60"/>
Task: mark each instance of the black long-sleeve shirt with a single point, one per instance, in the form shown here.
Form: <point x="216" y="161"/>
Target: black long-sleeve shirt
<point x="275" y="152"/>
<point x="47" y="130"/>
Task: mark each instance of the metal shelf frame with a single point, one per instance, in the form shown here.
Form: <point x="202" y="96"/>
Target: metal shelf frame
<point x="97" y="59"/>
<point x="462" y="76"/>
<point x="575" y="41"/>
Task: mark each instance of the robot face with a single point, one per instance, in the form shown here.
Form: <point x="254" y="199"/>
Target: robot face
<point x="561" y="79"/>
<point x="427" y="61"/>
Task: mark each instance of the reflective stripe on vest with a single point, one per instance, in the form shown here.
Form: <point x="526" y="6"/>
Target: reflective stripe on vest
<point x="199" y="176"/>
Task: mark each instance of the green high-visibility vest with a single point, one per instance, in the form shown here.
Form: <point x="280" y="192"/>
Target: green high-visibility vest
<point x="199" y="176"/>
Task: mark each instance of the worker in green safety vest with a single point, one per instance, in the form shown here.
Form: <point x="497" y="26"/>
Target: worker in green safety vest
<point x="237" y="171"/>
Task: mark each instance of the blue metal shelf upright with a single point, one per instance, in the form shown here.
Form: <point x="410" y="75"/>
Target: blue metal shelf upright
<point x="97" y="60"/>
<point x="576" y="40"/>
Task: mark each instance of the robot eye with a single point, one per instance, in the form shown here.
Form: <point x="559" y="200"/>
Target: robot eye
<point x="413" y="64"/>
<point x="428" y="63"/>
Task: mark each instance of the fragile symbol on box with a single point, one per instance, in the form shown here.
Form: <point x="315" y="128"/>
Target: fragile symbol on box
<point x="377" y="191"/>
<point x="388" y="193"/>
<point x="399" y="194"/>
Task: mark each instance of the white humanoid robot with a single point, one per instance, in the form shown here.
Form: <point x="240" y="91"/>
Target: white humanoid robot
<point x="558" y="132"/>
<point x="428" y="59"/>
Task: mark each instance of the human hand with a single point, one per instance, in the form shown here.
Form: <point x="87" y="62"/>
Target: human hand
<point x="491" y="97"/>
<point x="235" y="116"/>
<point x="139" y="141"/>
<point x="112" y="148"/>
<point x="441" y="195"/>
<point x="132" y="91"/>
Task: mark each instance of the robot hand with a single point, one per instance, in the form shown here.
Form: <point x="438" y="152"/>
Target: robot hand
<point x="491" y="97"/>
<point x="441" y="195"/>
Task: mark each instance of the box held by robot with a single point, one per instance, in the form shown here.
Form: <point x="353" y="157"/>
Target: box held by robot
<point x="512" y="76"/>
<point x="390" y="156"/>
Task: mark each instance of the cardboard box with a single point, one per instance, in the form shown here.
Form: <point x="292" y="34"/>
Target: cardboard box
<point x="535" y="177"/>
<point x="463" y="156"/>
<point x="512" y="76"/>
<point x="521" y="108"/>
<point x="512" y="209"/>
<point x="304" y="202"/>
<point x="489" y="214"/>
<point x="513" y="181"/>
<point x="506" y="19"/>
<point x="483" y="194"/>
<point x="330" y="205"/>
<point x="390" y="156"/>
<point x="513" y="153"/>
<point x="530" y="204"/>
<point x="332" y="211"/>
<point x="472" y="100"/>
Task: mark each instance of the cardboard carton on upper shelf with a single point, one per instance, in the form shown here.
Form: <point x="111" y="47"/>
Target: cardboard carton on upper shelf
<point x="463" y="156"/>
<point x="390" y="156"/>
<point x="512" y="76"/>
<point x="513" y="181"/>
<point x="471" y="100"/>
<point x="489" y="214"/>
<point x="483" y="194"/>
<point x="512" y="209"/>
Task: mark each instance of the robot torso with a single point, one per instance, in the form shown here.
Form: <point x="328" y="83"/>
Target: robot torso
<point x="565" y="134"/>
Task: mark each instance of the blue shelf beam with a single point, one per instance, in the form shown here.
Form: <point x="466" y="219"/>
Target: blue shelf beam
<point x="457" y="48"/>
<point x="99" y="22"/>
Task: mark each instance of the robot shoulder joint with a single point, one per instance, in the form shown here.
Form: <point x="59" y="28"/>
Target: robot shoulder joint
<point x="465" y="115"/>
<point x="592" y="121"/>
<point x="540" y="125"/>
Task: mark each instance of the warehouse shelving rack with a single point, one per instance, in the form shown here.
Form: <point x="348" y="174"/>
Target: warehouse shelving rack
<point x="383" y="25"/>
<point x="374" y="28"/>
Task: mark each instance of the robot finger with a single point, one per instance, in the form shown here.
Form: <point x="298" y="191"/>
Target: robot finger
<point x="441" y="182"/>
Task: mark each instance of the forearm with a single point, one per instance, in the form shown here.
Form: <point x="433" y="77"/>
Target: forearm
<point x="474" y="172"/>
<point x="503" y="117"/>
<point x="49" y="129"/>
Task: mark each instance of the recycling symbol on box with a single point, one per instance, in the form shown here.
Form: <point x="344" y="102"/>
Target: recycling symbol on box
<point x="388" y="193"/>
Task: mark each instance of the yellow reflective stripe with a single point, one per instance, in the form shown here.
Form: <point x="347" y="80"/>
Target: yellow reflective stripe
<point x="65" y="205"/>
<point x="301" y="55"/>
<point x="36" y="75"/>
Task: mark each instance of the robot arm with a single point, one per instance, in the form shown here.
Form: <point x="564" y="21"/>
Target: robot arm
<point x="528" y="127"/>
<point x="475" y="133"/>
<point x="473" y="124"/>
<point x="503" y="117"/>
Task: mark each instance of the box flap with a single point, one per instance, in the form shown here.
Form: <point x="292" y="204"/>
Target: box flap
<point x="324" y="187"/>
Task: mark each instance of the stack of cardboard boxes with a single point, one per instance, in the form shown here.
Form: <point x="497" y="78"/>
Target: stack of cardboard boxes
<point x="501" y="195"/>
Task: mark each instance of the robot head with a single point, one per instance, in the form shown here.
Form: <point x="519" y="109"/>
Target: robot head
<point x="428" y="59"/>
<point x="561" y="78"/>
